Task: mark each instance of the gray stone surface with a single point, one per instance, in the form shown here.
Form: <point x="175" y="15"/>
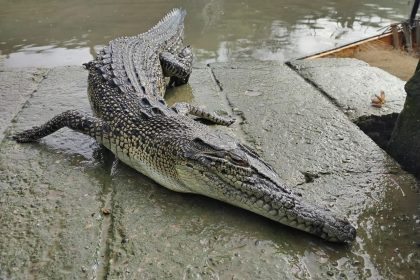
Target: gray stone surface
<point x="52" y="193"/>
<point x="297" y="128"/>
<point x="352" y="84"/>
<point x="16" y="87"/>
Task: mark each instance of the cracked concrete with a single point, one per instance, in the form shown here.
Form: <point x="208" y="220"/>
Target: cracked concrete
<point x="52" y="193"/>
<point x="17" y="86"/>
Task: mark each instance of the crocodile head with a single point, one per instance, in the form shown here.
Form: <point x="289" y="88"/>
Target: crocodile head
<point x="218" y="166"/>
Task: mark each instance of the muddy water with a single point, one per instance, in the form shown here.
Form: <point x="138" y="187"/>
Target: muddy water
<point x="51" y="33"/>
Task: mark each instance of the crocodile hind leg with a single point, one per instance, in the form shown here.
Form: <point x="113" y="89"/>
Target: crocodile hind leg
<point x="72" y="119"/>
<point x="188" y="109"/>
<point x="177" y="66"/>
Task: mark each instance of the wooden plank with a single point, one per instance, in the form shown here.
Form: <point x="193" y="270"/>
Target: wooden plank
<point x="350" y="49"/>
<point x="395" y="38"/>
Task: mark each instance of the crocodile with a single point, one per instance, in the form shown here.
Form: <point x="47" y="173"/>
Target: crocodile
<point x="126" y="87"/>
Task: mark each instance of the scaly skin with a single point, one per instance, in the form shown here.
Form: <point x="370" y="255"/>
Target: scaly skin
<point x="126" y="86"/>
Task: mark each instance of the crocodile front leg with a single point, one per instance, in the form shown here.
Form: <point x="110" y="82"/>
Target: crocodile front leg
<point x="188" y="109"/>
<point x="177" y="66"/>
<point x="72" y="119"/>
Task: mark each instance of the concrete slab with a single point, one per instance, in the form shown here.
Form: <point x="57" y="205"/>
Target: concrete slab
<point x="352" y="84"/>
<point x="16" y="86"/>
<point x="51" y="192"/>
<point x="153" y="233"/>
<point x="297" y="127"/>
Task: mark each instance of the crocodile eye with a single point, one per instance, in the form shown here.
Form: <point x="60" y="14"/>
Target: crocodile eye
<point x="237" y="160"/>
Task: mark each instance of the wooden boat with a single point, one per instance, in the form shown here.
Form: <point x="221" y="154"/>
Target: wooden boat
<point x="399" y="36"/>
<point x="396" y="50"/>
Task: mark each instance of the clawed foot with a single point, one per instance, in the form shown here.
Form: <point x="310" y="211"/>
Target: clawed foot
<point x="223" y="120"/>
<point x="217" y="119"/>
<point x="188" y="109"/>
<point x="25" y="136"/>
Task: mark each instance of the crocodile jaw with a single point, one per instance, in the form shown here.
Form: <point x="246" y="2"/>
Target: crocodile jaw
<point x="258" y="190"/>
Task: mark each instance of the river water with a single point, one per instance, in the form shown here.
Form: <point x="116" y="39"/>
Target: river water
<point x="53" y="33"/>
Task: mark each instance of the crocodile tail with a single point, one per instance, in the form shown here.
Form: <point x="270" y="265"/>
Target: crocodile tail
<point x="173" y="19"/>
